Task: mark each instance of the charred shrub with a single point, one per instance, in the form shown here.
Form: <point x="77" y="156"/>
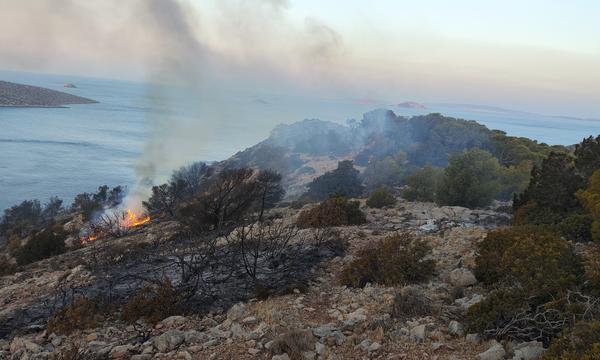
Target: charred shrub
<point x="380" y="198"/>
<point x="533" y="258"/>
<point x="6" y="266"/>
<point x="582" y="341"/>
<point x="398" y="259"/>
<point x="81" y="314"/>
<point x="335" y="211"/>
<point x="46" y="243"/>
<point x="152" y="303"/>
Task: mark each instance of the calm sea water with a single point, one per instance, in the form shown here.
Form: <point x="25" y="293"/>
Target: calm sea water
<point x="62" y="152"/>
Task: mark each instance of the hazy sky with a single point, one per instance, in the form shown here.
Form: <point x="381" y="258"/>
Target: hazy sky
<point x="534" y="55"/>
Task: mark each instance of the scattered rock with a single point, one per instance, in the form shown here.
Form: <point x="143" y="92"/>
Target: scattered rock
<point x="494" y="352"/>
<point x="528" y="350"/>
<point x="169" y="341"/>
<point x="462" y="277"/>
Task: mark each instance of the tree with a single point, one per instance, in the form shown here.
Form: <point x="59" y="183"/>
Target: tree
<point x="550" y="195"/>
<point x="472" y="179"/>
<point x="380" y="198"/>
<point x="590" y="198"/>
<point x="44" y="244"/>
<point x="343" y="181"/>
<point x="191" y="177"/>
<point x="269" y="189"/>
<point x="587" y="156"/>
<point x="52" y="208"/>
<point x="21" y="219"/>
<point x="385" y="172"/>
<point x="422" y="184"/>
<point x="229" y="196"/>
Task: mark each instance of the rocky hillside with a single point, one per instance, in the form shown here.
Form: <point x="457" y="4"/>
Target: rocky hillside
<point x="17" y="95"/>
<point x="318" y="317"/>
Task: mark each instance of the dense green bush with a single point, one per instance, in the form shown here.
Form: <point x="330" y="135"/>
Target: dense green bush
<point x="398" y="259"/>
<point x="335" y="211"/>
<point x="380" y="198"/>
<point x="472" y="179"/>
<point x="46" y="243"/>
<point x="388" y="171"/>
<point x="342" y="181"/>
<point x="581" y="342"/>
<point x="533" y="258"/>
<point x="550" y="195"/>
<point x="576" y="227"/>
<point x="499" y="307"/>
<point x="422" y="184"/>
<point x="590" y="198"/>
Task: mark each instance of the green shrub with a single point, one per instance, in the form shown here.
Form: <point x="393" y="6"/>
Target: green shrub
<point x="398" y="259"/>
<point x="533" y="258"/>
<point x="496" y="310"/>
<point x="576" y="227"/>
<point x="380" y="198"/>
<point x="472" y="179"/>
<point x="46" y="243"/>
<point x="343" y="181"/>
<point x="422" y="185"/>
<point x="581" y="342"/>
<point x="82" y="314"/>
<point x="152" y="303"/>
<point x="335" y="211"/>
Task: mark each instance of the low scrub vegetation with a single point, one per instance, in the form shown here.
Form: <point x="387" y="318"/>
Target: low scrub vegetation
<point x="396" y="260"/>
<point x="152" y="303"/>
<point x="381" y="198"/>
<point x="81" y="314"/>
<point x="335" y="211"/>
<point x="344" y="181"/>
<point x="581" y="342"/>
<point x="43" y="244"/>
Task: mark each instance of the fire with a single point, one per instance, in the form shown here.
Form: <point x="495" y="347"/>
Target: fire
<point x="87" y="239"/>
<point x="133" y="220"/>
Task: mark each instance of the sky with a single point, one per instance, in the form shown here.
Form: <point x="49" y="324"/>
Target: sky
<point x="540" y="56"/>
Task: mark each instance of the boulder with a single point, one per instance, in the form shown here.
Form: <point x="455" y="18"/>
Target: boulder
<point x="462" y="277"/>
<point x="528" y="350"/>
<point x="169" y="341"/>
<point x="173" y="321"/>
<point x="456" y="328"/>
<point x="494" y="352"/>
<point x="419" y="333"/>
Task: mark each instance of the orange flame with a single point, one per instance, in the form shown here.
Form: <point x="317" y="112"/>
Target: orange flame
<point x="132" y="220"/>
<point x="87" y="239"/>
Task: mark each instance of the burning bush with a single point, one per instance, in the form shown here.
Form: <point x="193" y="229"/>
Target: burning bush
<point x="152" y="303"/>
<point x="82" y="314"/>
<point x="335" y="211"/>
<point x="398" y="259"/>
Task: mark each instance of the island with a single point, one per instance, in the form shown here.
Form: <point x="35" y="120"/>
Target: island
<point x="411" y="105"/>
<point x="19" y="95"/>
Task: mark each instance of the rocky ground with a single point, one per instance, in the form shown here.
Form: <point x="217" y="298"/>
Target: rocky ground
<point x="323" y="321"/>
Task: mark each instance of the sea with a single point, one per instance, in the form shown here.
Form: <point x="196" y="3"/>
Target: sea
<point x="61" y="152"/>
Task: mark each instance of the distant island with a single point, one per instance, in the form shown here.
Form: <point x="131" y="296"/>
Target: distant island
<point x="411" y="105"/>
<point x="18" y="95"/>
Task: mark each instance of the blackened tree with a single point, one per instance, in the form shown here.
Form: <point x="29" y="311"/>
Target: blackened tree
<point x="270" y="191"/>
